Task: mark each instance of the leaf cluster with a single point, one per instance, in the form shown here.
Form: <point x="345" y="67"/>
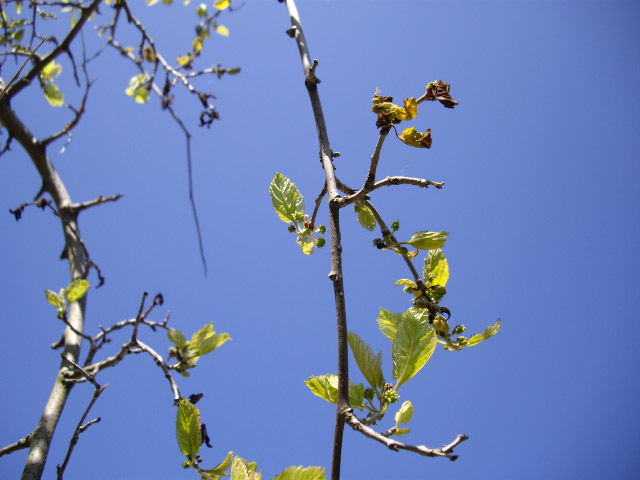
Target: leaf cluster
<point x="74" y="292"/>
<point x="289" y="205"/>
<point x="189" y="435"/>
<point x="188" y="352"/>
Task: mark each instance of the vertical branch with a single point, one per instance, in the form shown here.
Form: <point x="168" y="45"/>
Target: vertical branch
<point x="335" y="203"/>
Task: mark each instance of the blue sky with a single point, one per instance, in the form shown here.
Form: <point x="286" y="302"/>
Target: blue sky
<point x="541" y="168"/>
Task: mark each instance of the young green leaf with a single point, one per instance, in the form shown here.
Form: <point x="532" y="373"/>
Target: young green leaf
<point x="405" y="414"/>
<point x="207" y="340"/>
<point x="222" y="30"/>
<point x="188" y="428"/>
<point x="222" y="4"/>
<point x="413" y="346"/>
<point x="428" y="240"/>
<point x="51" y="71"/>
<point x="137" y="88"/>
<point x="488" y="332"/>
<point x="243" y="470"/>
<point x="286" y="198"/>
<point x="388" y="323"/>
<point x="177" y="338"/>
<point x="77" y="289"/>
<point x="302" y="473"/>
<point x="306" y="243"/>
<point x="54" y="96"/>
<point x="436" y="268"/>
<point x="325" y="386"/>
<point x="414" y="138"/>
<point x="365" y="215"/>
<point x="370" y="365"/>
<point x="55" y="299"/>
<point x="216" y="473"/>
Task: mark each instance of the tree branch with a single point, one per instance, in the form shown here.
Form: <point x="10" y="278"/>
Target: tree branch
<point x="446" y="451"/>
<point x="335" y="203"/>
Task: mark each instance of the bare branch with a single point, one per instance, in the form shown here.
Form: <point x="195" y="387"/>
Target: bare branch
<point x="19" y="445"/>
<point x="81" y="425"/>
<point x="395" y="445"/>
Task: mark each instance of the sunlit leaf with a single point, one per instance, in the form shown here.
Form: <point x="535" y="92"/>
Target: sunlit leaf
<point x="222" y="4"/>
<point x="413" y="346"/>
<point x="53" y="94"/>
<point x="198" y="44"/>
<point x="222" y="30"/>
<point x="411" y="136"/>
<point x="55" y="299"/>
<point x="488" y="332"/>
<point x="407" y="283"/>
<point x="51" y="71"/>
<point x="137" y="88"/>
<point x="219" y="471"/>
<point x="405" y="414"/>
<point x="370" y="365"/>
<point x="177" y="338"/>
<point x="188" y="428"/>
<point x="243" y="470"/>
<point x="325" y="386"/>
<point x="411" y="107"/>
<point x="428" y="240"/>
<point x="388" y="323"/>
<point x="436" y="268"/>
<point x="302" y="473"/>
<point x="207" y="340"/>
<point x="401" y="431"/>
<point x="286" y="198"/>
<point x="306" y="243"/>
<point x="365" y="215"/>
<point x="77" y="289"/>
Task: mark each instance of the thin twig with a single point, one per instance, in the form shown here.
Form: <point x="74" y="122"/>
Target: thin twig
<point x="81" y="425"/>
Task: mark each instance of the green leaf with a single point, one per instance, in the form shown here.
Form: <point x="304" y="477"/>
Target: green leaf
<point x="197" y="46"/>
<point x="388" y="323"/>
<point x="302" y="473"/>
<point x="51" y="71"/>
<point x="407" y="283"/>
<point x="222" y="4"/>
<point x="488" y="332"/>
<point x="436" y="268"/>
<point x="206" y="340"/>
<point x="356" y="395"/>
<point x="325" y="386"/>
<point x="77" y="289"/>
<point x="428" y="240"/>
<point x="405" y="414"/>
<point x="286" y="198"/>
<point x="365" y="215"/>
<point x="413" y="346"/>
<point x="370" y="365"/>
<point x="306" y="243"/>
<point x="401" y="431"/>
<point x="188" y="428"/>
<point x="411" y="136"/>
<point x="54" y="96"/>
<point x="137" y="88"/>
<point x="222" y="30"/>
<point x="177" y="338"/>
<point x="243" y="470"/>
<point x="55" y="299"/>
<point x="218" y="472"/>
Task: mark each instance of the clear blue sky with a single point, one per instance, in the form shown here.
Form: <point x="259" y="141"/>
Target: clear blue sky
<point x="540" y="162"/>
